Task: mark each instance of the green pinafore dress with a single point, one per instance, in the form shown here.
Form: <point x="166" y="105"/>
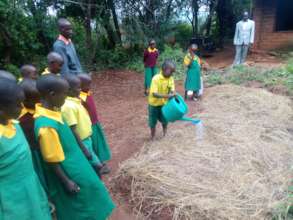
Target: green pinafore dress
<point x="149" y="73"/>
<point x="100" y="144"/>
<point x="93" y="202"/>
<point x="21" y="194"/>
<point x="193" y="81"/>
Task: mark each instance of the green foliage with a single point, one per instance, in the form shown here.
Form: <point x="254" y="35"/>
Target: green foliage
<point x="240" y="75"/>
<point x="176" y="54"/>
<point x="289" y="66"/>
<point x="12" y="69"/>
<point x="183" y="34"/>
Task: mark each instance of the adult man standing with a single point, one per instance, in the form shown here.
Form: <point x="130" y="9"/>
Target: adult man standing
<point x="244" y="37"/>
<point x="65" y="47"/>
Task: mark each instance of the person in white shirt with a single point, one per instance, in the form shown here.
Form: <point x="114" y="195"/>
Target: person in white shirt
<point x="243" y="38"/>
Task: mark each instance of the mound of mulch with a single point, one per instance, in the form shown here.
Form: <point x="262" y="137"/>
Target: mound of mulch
<point x="236" y="167"/>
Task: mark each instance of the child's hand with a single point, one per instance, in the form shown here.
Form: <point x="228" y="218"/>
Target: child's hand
<point x="87" y="154"/>
<point x="171" y="95"/>
<point x="72" y="187"/>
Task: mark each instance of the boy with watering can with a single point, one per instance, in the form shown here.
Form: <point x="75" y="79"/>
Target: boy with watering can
<point x="161" y="90"/>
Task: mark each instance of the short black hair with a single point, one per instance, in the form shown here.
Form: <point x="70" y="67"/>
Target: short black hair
<point x="25" y="69"/>
<point x="54" y="57"/>
<point x="168" y="63"/>
<point x="29" y="87"/>
<point x="84" y="76"/>
<point x="50" y="82"/>
<point x="152" y="40"/>
<point x="62" y="21"/>
<point x="10" y="91"/>
<point x="71" y="79"/>
<point x="7" y="75"/>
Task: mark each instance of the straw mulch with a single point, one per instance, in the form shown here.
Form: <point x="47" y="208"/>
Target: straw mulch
<point x="239" y="169"/>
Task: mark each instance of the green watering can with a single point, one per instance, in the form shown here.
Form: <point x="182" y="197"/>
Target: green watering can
<point x="175" y="109"/>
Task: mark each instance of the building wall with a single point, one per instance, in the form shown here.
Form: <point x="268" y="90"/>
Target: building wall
<point x="265" y="16"/>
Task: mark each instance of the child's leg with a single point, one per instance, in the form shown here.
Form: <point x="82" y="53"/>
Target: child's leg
<point x="153" y="119"/>
<point x="165" y="127"/>
<point x="95" y="161"/>
<point x="185" y="95"/>
<point x="153" y="133"/>
<point x="147" y="79"/>
<point x="163" y="121"/>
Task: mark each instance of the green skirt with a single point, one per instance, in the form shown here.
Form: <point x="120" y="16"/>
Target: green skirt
<point x="39" y="168"/>
<point x="88" y="143"/>
<point x="193" y="81"/>
<point x="100" y="144"/>
<point x="149" y="73"/>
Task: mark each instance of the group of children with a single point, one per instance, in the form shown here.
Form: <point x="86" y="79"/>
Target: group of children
<point x="161" y="87"/>
<point x="56" y="151"/>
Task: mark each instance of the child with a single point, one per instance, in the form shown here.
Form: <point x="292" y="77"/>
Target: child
<point x="193" y="77"/>
<point x="26" y="119"/>
<point x="75" y="189"/>
<point x="100" y="144"/>
<point x="79" y="120"/>
<point x="150" y="57"/>
<point x="6" y="75"/>
<point x="28" y="72"/>
<point x="55" y="63"/>
<point x="22" y="196"/>
<point x="162" y="89"/>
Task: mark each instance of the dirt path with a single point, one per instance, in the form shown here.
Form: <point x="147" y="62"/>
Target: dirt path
<point x="225" y="57"/>
<point x="123" y="112"/>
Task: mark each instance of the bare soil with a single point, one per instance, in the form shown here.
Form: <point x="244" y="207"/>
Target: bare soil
<point x="123" y="112"/>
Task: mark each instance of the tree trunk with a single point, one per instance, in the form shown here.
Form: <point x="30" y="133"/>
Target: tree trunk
<point x="221" y="9"/>
<point x="150" y="16"/>
<point x="87" y="26"/>
<point x="208" y="24"/>
<point x="115" y="19"/>
<point x="7" y="43"/>
<point x="194" y="18"/>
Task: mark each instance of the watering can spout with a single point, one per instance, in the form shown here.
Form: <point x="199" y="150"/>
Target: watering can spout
<point x="194" y="121"/>
<point x="176" y="109"/>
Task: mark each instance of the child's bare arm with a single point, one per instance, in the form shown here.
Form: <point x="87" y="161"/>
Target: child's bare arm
<point x="70" y="186"/>
<point x="161" y="96"/>
<point x="81" y="145"/>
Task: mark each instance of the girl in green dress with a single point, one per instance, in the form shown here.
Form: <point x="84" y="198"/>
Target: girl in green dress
<point x="100" y="143"/>
<point x="75" y="189"/>
<point x="21" y="194"/>
<point x="193" y="74"/>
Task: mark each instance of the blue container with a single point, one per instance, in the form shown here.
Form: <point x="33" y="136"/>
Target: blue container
<point x="175" y="109"/>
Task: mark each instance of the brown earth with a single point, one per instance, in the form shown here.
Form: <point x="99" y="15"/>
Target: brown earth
<point x="123" y="112"/>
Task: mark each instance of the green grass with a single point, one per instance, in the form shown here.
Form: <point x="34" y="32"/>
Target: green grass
<point x="269" y="78"/>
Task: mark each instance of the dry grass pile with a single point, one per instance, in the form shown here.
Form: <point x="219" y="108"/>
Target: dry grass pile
<point x="240" y="169"/>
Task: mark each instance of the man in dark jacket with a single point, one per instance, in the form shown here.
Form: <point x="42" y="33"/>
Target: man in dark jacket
<point x="65" y="47"/>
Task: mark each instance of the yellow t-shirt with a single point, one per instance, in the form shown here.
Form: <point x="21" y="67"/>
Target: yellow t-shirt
<point x="188" y="59"/>
<point x="75" y="114"/>
<point x="50" y="145"/>
<point x="25" y="110"/>
<point x="8" y="131"/>
<point x="47" y="71"/>
<point x="160" y="85"/>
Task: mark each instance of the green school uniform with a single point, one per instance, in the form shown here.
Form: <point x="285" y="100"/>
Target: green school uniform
<point x="88" y="143"/>
<point x="100" y="144"/>
<point x="149" y="73"/>
<point x="93" y="202"/>
<point x="21" y="194"/>
<point x="192" y="82"/>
